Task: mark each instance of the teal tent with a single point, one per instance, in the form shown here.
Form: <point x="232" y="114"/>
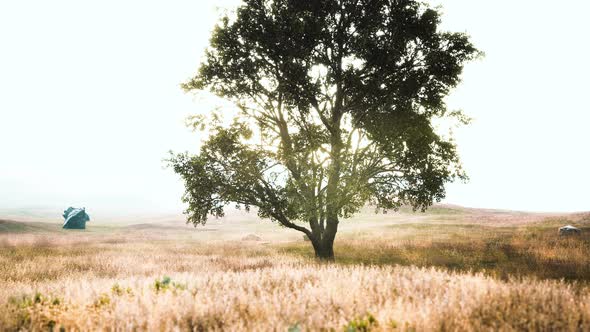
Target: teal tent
<point x="75" y="218"/>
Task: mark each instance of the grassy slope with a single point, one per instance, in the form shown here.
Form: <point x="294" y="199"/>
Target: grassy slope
<point x="221" y="281"/>
<point x="500" y="243"/>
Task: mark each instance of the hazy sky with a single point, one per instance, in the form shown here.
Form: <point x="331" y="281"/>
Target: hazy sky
<point x="90" y="103"/>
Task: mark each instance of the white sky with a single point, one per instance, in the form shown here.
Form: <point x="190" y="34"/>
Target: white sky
<point x="89" y="94"/>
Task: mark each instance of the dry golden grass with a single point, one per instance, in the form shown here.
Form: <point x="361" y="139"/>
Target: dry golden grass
<point x="445" y="273"/>
<point x="504" y="253"/>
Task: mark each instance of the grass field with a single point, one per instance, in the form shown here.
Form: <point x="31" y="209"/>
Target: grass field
<point x="451" y="269"/>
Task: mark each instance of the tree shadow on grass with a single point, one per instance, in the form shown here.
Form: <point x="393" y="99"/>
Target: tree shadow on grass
<point x="542" y="255"/>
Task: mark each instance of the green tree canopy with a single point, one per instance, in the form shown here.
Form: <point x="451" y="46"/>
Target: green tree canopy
<point x="337" y="99"/>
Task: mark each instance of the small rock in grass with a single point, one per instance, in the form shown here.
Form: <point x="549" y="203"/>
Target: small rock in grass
<point x="251" y="237"/>
<point x="569" y="230"/>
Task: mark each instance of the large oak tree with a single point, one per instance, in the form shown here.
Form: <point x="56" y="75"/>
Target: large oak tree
<point x="337" y="101"/>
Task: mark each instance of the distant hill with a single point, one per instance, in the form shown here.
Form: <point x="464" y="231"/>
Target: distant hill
<point x="49" y="219"/>
<point x="11" y="226"/>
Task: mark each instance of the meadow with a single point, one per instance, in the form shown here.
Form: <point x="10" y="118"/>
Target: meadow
<point x="450" y="269"/>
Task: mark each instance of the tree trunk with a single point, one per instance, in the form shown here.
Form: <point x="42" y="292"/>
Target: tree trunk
<point x="324" y="250"/>
<point x="323" y="243"/>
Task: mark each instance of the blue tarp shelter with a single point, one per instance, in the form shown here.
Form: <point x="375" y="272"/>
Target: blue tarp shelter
<point x="75" y="218"/>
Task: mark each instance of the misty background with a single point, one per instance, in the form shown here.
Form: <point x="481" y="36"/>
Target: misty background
<point x="90" y="102"/>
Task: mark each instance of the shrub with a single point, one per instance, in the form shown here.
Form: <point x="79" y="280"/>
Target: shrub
<point x="103" y="300"/>
<point x="362" y="324"/>
<point x="162" y="285"/>
<point x="120" y="291"/>
<point x="294" y="328"/>
<point x="166" y="283"/>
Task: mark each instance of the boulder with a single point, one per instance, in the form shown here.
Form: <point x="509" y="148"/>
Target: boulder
<point x="569" y="230"/>
<point x="251" y="237"/>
